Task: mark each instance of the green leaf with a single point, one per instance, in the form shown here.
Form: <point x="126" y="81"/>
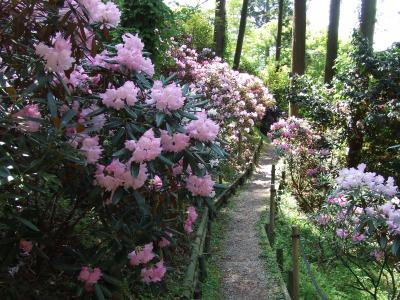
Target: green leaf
<point x="117" y="196"/>
<point x="99" y="292"/>
<point x="396" y="246"/>
<point x="120" y="152"/>
<point x="141" y="203"/>
<point x="118" y="136"/>
<point x="135" y="168"/>
<point x="112" y="280"/>
<point x="131" y="113"/>
<point x="27" y="223"/>
<point x="200" y="104"/>
<point x="188" y="115"/>
<point x="165" y="160"/>
<point x="67" y="117"/>
<point x="51" y="103"/>
<point x="4" y="172"/>
<point x="220" y="186"/>
<point x="159" y="118"/>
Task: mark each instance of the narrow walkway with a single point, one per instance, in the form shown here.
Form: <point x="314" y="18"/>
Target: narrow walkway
<point x="244" y="275"/>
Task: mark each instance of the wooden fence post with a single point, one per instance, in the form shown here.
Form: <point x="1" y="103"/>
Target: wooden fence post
<point x="273" y="175"/>
<point x="272" y="209"/>
<point x="220" y="179"/>
<point x="279" y="258"/>
<point x="290" y="283"/>
<point x="295" y="263"/>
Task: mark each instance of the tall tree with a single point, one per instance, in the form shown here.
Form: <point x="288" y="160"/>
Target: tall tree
<point x="242" y="29"/>
<point x="356" y="136"/>
<point x="298" y="45"/>
<point x="279" y="33"/>
<point x="367" y="20"/>
<point x="220" y="27"/>
<point x="332" y="44"/>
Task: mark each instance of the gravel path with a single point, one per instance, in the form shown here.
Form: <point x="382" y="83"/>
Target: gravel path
<point x="243" y="271"/>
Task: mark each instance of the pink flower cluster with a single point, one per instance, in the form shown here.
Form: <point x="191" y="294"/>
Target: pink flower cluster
<point x="168" y="98"/>
<point x="353" y="178"/>
<point x="92" y="149"/>
<point x="130" y="54"/>
<point x="147" y="148"/>
<point x="90" y="277"/>
<point x="25" y="246"/>
<point x="175" y="143"/>
<point x="115" y="97"/>
<point x="144" y="256"/>
<point x="117" y="174"/>
<point x="58" y="58"/>
<point x="200" y="186"/>
<point x="22" y="117"/>
<point x="202" y="129"/>
<point x="107" y="14"/>
<point x="191" y="218"/>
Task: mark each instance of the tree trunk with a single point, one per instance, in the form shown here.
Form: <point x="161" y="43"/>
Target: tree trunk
<point x="242" y="29"/>
<point x="220" y="27"/>
<point x="298" y="45"/>
<point x="367" y="20"/>
<point x="332" y="44"/>
<point x="279" y="34"/>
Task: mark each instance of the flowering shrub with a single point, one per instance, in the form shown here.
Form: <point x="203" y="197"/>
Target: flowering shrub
<point x="308" y="158"/>
<point x="99" y="163"/>
<point x="363" y="213"/>
<point x="237" y="100"/>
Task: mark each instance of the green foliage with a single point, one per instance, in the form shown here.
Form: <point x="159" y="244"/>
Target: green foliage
<point x="153" y="20"/>
<point x="195" y="25"/>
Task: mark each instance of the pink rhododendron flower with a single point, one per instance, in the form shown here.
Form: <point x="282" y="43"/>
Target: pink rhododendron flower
<point x="58" y="58"/>
<point x="135" y="182"/>
<point x="110" y="177"/>
<point x="168" y="98"/>
<point x="200" y="186"/>
<point x="115" y="97"/>
<point x="358" y="238"/>
<point x="323" y="219"/>
<point x="202" y="129"/>
<point x="191" y="218"/>
<point x="90" y="277"/>
<point x="164" y="242"/>
<point x="153" y="274"/>
<point x="147" y="148"/>
<point x="342" y="233"/>
<point x="90" y="145"/>
<point x="378" y="254"/>
<point x="311" y="172"/>
<point x="157" y="182"/>
<point x="175" y="143"/>
<point x="29" y="111"/>
<point x="141" y="256"/>
<point x="25" y="246"/>
<point x="130" y="54"/>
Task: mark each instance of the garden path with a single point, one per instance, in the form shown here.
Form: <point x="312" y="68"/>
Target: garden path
<point x="244" y="274"/>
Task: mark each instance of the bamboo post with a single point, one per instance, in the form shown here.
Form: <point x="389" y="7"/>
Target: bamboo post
<point x="273" y="175"/>
<point x="272" y="209"/>
<point x="290" y="283"/>
<point x="279" y="258"/>
<point x="295" y="263"/>
<point x="220" y="179"/>
<point x="202" y="268"/>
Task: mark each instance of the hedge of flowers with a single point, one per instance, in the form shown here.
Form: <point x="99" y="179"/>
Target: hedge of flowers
<point x="102" y="167"/>
<point x="308" y="157"/>
<point x="357" y="212"/>
<point x="363" y="216"/>
<point x="238" y="101"/>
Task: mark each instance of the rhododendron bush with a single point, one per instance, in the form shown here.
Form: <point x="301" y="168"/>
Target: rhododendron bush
<point x="238" y="101"/>
<point x="102" y="167"/>
<point x="363" y="216"/>
<point x="309" y="160"/>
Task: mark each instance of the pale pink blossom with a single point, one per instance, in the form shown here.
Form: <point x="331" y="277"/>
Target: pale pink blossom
<point x="191" y="218"/>
<point x="164" y="242"/>
<point x="168" y="98"/>
<point x="22" y="117"/>
<point x="147" y="148"/>
<point x="116" y="98"/>
<point x="200" y="186"/>
<point x="90" y="277"/>
<point x="58" y="58"/>
<point x="202" y="129"/>
<point x="141" y="255"/>
<point x="153" y="274"/>
<point x="92" y="149"/>
<point x="175" y="143"/>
